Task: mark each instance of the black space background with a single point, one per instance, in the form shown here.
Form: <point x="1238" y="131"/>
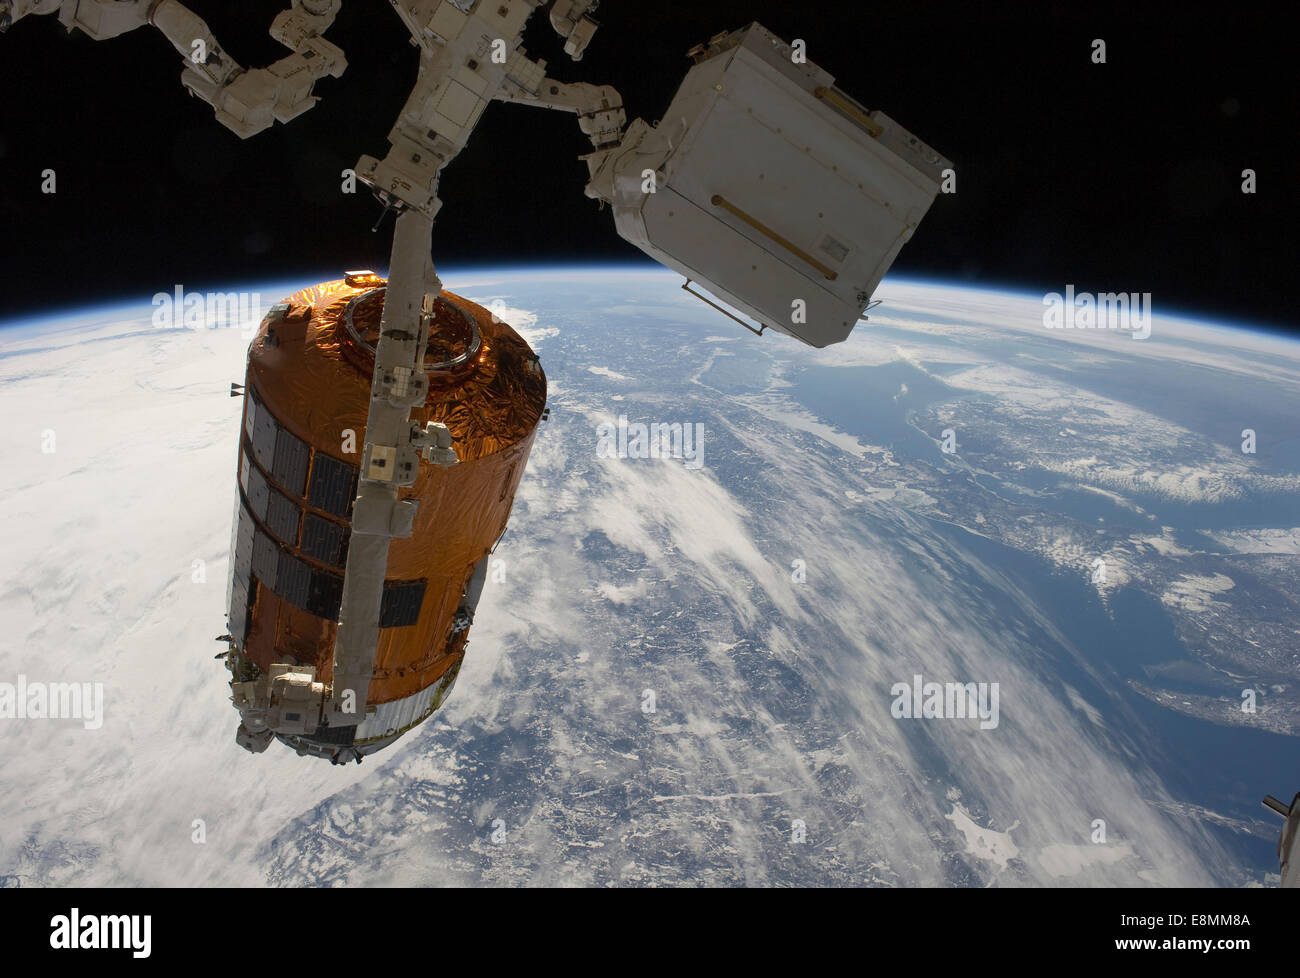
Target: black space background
<point x="1119" y="177"/>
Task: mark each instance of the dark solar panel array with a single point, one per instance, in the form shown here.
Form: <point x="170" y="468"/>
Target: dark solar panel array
<point x="282" y="515"/>
<point x="324" y="540"/>
<point x="241" y="574"/>
<point x="333" y="485"/>
<point x="290" y="465"/>
<point x="269" y="523"/>
<point x="264" y="429"/>
<point x="401" y="605"/>
<point x="254" y="485"/>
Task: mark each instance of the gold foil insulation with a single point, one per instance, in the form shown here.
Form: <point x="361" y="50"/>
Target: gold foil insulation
<point x="311" y="368"/>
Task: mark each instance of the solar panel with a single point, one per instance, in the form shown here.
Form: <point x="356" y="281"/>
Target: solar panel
<point x="282" y="518"/>
<point x="290" y="465"/>
<point x="333" y="484"/>
<point x="293" y="580"/>
<point x="264" y="429"/>
<point x="266" y="559"/>
<point x="322" y="539"/>
<point x="326" y="594"/>
<point x="238" y="615"/>
<point x="241" y="571"/>
<point x="250" y="412"/>
<point x="258" y="491"/>
<point x="401" y="604"/>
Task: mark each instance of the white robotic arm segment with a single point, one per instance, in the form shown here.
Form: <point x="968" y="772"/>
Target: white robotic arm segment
<point x="467" y="51"/>
<point x="313" y="58"/>
<point x="408" y="175"/>
<point x="570" y="20"/>
<point x="103" y="19"/>
<point x="316" y="15"/>
<point x="599" y="107"/>
<point x="207" y="66"/>
<point x="246" y="102"/>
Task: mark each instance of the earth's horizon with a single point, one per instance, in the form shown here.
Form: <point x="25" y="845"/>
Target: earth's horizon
<point x="700" y="670"/>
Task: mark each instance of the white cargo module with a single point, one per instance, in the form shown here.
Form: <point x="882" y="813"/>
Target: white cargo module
<point x="771" y="188"/>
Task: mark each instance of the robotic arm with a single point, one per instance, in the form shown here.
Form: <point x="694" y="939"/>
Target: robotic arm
<point x="570" y="20"/>
<point x="246" y="102"/>
<point x="468" y="49"/>
<point x="599" y="107"/>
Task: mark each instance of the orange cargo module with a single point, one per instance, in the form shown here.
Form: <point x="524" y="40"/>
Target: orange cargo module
<point x="306" y="396"/>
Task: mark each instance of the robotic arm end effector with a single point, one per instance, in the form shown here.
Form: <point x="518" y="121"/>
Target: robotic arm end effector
<point x="571" y="21"/>
<point x="246" y="102"/>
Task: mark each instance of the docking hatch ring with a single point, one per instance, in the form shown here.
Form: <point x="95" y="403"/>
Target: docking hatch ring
<point x="454" y="336"/>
